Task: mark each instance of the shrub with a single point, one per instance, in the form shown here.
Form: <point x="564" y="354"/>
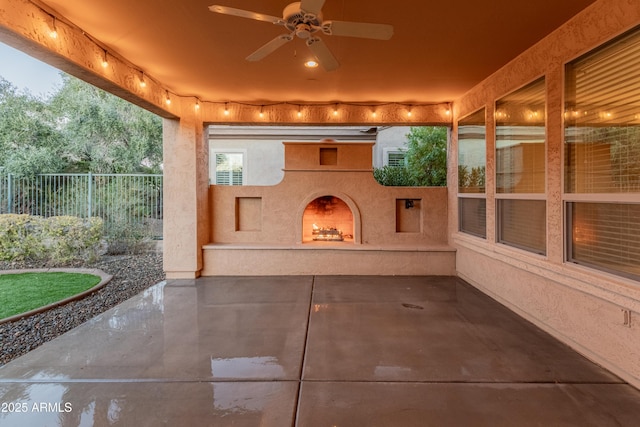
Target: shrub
<point x="68" y="238"/>
<point x="398" y="176"/>
<point x="127" y="238"/>
<point x="56" y="240"/>
<point x="19" y="237"/>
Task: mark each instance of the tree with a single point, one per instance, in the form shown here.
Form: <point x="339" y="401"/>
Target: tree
<point x="79" y="129"/>
<point x="427" y="155"/>
<point x="30" y="138"/>
<point x="425" y="160"/>
<point x="106" y="134"/>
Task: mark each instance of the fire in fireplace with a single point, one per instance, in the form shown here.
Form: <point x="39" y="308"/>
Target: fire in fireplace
<point x="327" y="233"/>
<point x="327" y="219"/>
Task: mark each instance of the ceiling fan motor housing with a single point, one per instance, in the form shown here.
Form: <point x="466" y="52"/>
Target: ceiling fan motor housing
<point x="303" y="23"/>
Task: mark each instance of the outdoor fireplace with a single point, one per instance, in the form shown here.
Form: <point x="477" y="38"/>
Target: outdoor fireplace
<point x="327" y="219"/>
<point x="328" y="216"/>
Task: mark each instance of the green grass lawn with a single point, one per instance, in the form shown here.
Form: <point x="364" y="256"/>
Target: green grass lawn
<point x="22" y="292"/>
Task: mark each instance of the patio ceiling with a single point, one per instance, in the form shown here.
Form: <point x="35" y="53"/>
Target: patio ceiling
<point x="439" y="50"/>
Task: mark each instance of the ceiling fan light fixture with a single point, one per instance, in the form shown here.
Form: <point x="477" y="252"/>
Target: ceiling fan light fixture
<point x="304" y="19"/>
<point x="312" y="63"/>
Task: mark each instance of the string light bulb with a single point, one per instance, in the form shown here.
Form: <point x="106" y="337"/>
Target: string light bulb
<point x="261" y="111"/>
<point x="299" y="112"/>
<point x="54" y="32"/>
<point x="168" y="98"/>
<point x="197" y="105"/>
<point x="226" y="108"/>
<point x="105" y="63"/>
<point x="335" y="110"/>
<point x="143" y="83"/>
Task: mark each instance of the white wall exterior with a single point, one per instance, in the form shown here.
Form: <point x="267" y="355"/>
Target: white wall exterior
<point x="264" y="151"/>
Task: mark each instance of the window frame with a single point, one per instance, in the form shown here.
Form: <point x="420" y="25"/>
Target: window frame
<point x="472" y="195"/>
<point x="569" y="199"/>
<point x="213" y="167"/>
<point x="386" y="151"/>
<point x="539" y="196"/>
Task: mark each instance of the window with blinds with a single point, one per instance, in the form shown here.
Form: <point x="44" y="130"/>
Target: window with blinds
<point x="396" y="159"/>
<point x="606" y="236"/>
<point x="520" y="168"/>
<point x="473" y="216"/>
<point x="521" y="224"/>
<point x="229" y="168"/>
<point x="472" y="160"/>
<point x="602" y="157"/>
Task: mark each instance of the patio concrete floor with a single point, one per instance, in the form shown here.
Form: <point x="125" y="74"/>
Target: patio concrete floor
<point x="311" y="351"/>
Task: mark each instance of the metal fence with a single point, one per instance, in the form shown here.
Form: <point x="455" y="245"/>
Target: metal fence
<point x="121" y="200"/>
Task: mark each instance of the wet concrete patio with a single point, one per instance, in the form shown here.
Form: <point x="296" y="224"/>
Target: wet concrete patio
<point x="311" y="351"/>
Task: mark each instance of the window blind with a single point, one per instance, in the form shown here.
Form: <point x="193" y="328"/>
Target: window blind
<point x="606" y="235"/>
<point x="522" y="224"/>
<point x="602" y="157"/>
<point x="473" y="216"/>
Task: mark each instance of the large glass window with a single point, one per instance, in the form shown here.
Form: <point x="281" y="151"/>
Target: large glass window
<point x="602" y="157"/>
<point x="472" y="161"/>
<point x="520" y="168"/>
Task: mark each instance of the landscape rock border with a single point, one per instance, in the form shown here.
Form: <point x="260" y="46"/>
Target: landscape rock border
<point x="104" y="279"/>
<point x="132" y="274"/>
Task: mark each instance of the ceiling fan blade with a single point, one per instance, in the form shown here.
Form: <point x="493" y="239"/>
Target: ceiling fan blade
<point x="270" y="47"/>
<point x="358" y="29"/>
<point x="312" y="6"/>
<point x="324" y="55"/>
<point x="245" y="14"/>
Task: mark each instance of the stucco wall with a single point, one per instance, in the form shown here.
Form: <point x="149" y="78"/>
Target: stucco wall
<point x="582" y="307"/>
<point x="264" y="155"/>
<point x="282" y="206"/>
<point x="259" y="229"/>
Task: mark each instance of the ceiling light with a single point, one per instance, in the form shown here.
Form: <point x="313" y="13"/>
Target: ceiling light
<point x="311" y="64"/>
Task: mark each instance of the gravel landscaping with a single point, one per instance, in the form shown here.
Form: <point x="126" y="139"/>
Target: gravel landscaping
<point x="131" y="275"/>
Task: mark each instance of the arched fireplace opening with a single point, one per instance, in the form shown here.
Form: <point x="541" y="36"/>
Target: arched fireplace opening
<point x="327" y="219"/>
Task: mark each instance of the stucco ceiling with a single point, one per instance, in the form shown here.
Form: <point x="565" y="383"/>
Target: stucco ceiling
<point x="439" y="50"/>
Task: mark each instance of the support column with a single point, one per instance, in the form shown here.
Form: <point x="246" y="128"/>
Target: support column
<point x="185" y="195"/>
<point x="555" y="138"/>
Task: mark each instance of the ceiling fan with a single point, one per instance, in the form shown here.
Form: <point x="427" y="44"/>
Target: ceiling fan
<point x="304" y="19"/>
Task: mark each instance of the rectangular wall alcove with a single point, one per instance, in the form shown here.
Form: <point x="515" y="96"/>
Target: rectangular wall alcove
<point x="248" y="213"/>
